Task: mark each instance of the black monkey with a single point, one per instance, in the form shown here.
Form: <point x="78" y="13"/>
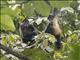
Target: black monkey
<point x="54" y="28"/>
<point x="28" y="31"/>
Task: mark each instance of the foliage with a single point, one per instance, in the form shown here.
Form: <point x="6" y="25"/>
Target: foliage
<point x="14" y="12"/>
<point x="7" y="23"/>
<point x="39" y="55"/>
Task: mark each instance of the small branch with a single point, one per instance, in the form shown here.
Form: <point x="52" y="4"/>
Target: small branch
<point x="9" y="50"/>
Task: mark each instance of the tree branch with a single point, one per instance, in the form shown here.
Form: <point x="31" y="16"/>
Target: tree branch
<point x="9" y="50"/>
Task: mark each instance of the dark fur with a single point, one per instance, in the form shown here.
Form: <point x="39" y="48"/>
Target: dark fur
<point x="53" y="28"/>
<point x="28" y="31"/>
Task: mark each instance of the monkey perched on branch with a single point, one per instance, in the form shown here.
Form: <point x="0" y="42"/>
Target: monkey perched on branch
<point x="54" y="28"/>
<point x="28" y="31"/>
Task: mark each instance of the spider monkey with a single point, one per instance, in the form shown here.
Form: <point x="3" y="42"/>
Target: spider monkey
<point x="54" y="28"/>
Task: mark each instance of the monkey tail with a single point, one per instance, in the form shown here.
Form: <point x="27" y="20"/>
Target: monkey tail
<point x="58" y="42"/>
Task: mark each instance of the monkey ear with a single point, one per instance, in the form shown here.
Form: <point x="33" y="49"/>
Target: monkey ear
<point x="25" y="23"/>
<point x="53" y="13"/>
<point x="56" y="11"/>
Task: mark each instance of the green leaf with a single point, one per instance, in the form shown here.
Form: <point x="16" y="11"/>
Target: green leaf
<point x="50" y="37"/>
<point x="36" y="54"/>
<point x="74" y="37"/>
<point x="75" y="54"/>
<point x="7" y="23"/>
<point x="9" y="11"/>
<point x="60" y="4"/>
<point x="42" y="8"/>
<point x="4" y="41"/>
<point x="11" y="38"/>
<point x="28" y="9"/>
<point x="39" y="6"/>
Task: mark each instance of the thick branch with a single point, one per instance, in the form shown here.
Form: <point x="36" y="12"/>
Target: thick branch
<point x="9" y="50"/>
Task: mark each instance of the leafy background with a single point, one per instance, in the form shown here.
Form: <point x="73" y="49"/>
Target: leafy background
<point x="13" y="13"/>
